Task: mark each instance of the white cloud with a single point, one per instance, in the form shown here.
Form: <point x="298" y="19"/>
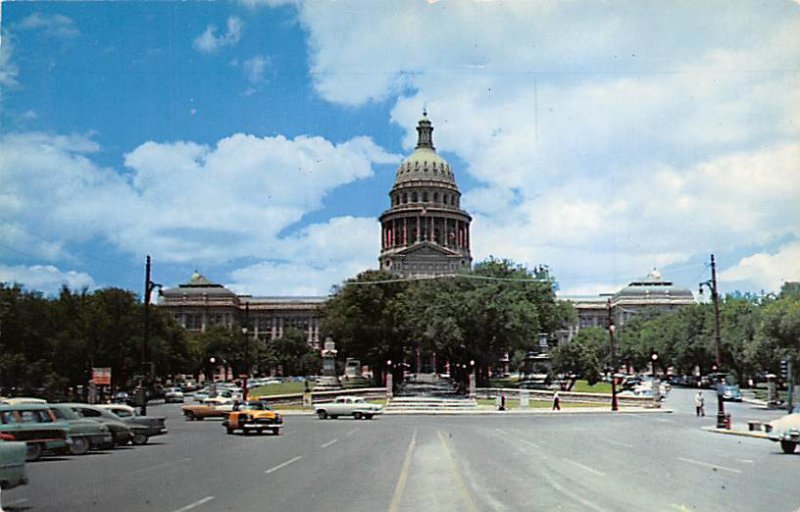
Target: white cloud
<point x="255" y="68"/>
<point x="185" y="201"/>
<point x="45" y="278"/>
<point x="8" y="68"/>
<point x="768" y="271"/>
<point x="56" y="25"/>
<point x="315" y="259"/>
<point x="209" y="41"/>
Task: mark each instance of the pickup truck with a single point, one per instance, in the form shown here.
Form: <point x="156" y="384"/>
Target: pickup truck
<point x="354" y="406"/>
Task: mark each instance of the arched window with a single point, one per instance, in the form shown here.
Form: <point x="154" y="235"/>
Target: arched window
<point x="405" y="198"/>
<point x="425" y="197"/>
<point x="435" y="197"/>
<point x="414" y="197"/>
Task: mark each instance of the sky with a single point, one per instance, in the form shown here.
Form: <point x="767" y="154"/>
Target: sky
<point x="257" y="141"/>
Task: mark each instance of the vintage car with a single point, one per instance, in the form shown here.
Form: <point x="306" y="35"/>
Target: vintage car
<point x="37" y="426"/>
<point x="153" y="425"/>
<point x="253" y="416"/>
<point x="209" y="408"/>
<point x="12" y="462"/>
<point x="785" y="430"/>
<point x="354" y="406"/>
<point x="173" y="395"/>
<point x="121" y="432"/>
<point x="83" y="432"/>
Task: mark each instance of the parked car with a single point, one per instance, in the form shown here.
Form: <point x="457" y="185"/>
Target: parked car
<point x="785" y="430"/>
<point x="83" y="432"/>
<point x="731" y="392"/>
<point x="173" y="395"/>
<point x="22" y="400"/>
<point x="12" y="462"/>
<point x="154" y="425"/>
<point x="209" y="408"/>
<point x="253" y="416"/>
<point x="121" y="432"/>
<point x="354" y="406"/>
<point x="37" y="426"/>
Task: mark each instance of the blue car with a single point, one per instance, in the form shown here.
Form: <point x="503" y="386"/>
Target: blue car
<point x="731" y="393"/>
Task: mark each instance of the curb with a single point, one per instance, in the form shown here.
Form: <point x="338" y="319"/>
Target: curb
<point x="742" y="433"/>
<point x="516" y="412"/>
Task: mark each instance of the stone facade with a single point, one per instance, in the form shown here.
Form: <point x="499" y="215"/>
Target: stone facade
<point x="200" y="303"/>
<point x="425" y="232"/>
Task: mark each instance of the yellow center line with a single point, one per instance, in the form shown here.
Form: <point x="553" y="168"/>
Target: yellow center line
<point x="401" y="482"/>
<point x="459" y="481"/>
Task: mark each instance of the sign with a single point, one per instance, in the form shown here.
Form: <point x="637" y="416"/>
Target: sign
<point x="307" y="402"/>
<point x="101" y="376"/>
<point x="524" y="399"/>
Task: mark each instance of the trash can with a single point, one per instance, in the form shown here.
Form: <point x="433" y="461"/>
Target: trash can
<point x="728" y="421"/>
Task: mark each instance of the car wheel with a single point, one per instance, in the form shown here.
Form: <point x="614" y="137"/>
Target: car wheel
<point x="276" y="431"/>
<point x="333" y="416"/>
<point x="322" y="415"/>
<point x="33" y="452"/>
<point x="189" y="416"/>
<point x="788" y="446"/>
<point x="139" y="439"/>
<point x="368" y="416"/>
<point x="357" y="415"/>
<point x="79" y="446"/>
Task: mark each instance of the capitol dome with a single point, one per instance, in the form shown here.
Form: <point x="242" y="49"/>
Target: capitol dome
<point x="425" y="231"/>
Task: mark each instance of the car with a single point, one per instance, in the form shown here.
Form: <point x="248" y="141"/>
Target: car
<point x="85" y="433"/>
<point x="173" y="395"/>
<point x="12" y="462"/>
<point x="154" y="425"/>
<point x="22" y="400"/>
<point x="354" y="406"/>
<point x="731" y="393"/>
<point x="785" y="430"/>
<point x="253" y="416"/>
<point x="37" y="426"/>
<point x="208" y="408"/>
<point x="121" y="432"/>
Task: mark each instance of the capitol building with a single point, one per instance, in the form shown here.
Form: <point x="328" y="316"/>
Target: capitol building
<point x="424" y="232"/>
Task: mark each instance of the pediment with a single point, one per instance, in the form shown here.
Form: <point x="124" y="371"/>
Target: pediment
<point x="423" y="249"/>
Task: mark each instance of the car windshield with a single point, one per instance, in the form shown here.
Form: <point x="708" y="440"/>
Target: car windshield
<point x="65" y="413"/>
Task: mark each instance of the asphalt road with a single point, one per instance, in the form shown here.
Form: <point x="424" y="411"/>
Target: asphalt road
<point x="558" y="461"/>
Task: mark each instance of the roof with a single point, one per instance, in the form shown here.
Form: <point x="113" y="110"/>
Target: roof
<point x="654" y="287"/>
<point x="424" y="164"/>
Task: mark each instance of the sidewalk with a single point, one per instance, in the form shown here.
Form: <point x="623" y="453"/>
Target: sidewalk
<point x="490" y="410"/>
<point x="737" y="429"/>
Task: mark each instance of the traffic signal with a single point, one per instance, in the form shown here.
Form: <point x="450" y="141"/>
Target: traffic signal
<point x="784" y="369"/>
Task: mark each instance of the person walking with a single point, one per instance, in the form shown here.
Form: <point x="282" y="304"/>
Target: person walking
<point x="556" y="402"/>
<point x="699" y="404"/>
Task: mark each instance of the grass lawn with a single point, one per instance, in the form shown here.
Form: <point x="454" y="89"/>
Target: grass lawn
<point x="582" y="386"/>
<point x="283" y="388"/>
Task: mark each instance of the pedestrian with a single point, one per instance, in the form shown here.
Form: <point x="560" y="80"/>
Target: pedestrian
<point x="556" y="402"/>
<point x="699" y="404"/>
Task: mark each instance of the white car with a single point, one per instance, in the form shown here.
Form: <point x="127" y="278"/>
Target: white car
<point x="173" y="395"/>
<point x="786" y="430"/>
<point x="354" y="406"/>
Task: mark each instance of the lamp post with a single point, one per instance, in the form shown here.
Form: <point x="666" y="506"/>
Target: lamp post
<point x="212" y="387"/>
<point x="612" y="360"/>
<point x="712" y="286"/>
<point x="149" y="286"/>
<point x="246" y="350"/>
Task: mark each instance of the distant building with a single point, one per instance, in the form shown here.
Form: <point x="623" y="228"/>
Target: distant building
<point x="650" y="293"/>
<point x="200" y="304"/>
<point x="425" y="232"/>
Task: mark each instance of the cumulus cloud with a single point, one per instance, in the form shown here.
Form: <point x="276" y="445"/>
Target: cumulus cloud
<point x="188" y="202"/>
<point x="45" y="278"/>
<point x="209" y="41"/>
<point x="56" y="25"/>
<point x="769" y="271"/>
<point x="255" y="68"/>
<point x="8" y="68"/>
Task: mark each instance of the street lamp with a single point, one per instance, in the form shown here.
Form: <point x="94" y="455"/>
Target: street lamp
<point x="653" y="359"/>
<point x="712" y="287"/>
<point x="611" y="329"/>
<point x="149" y="286"/>
<point x="246" y="351"/>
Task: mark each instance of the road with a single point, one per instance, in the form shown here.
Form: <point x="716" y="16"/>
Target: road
<point x="557" y="461"/>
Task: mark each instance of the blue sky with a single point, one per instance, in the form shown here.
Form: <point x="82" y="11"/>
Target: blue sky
<point x="257" y="141"/>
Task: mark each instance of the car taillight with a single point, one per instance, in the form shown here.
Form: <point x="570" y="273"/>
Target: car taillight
<point x="6" y="437"/>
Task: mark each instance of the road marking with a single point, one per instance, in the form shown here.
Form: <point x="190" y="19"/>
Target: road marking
<point x="159" y="466"/>
<point x="459" y="481"/>
<point x="352" y="432"/>
<point x="624" y="445"/>
<point x="283" y="465"/>
<point x="501" y="431"/>
<point x="328" y="443"/>
<point x="16" y="502"/>
<point x="706" y="464"/>
<point x="197" y="503"/>
<point x="534" y="445"/>
<point x="662" y="420"/>
<point x="584" y="467"/>
<point x="401" y="482"/>
<point x="747" y="461"/>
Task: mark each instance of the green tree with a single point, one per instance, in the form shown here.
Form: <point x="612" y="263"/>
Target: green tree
<point x="585" y="356"/>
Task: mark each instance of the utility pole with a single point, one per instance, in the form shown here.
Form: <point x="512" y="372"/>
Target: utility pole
<point x="613" y="359"/>
<point x="246" y="350"/>
<point x="149" y="286"/>
<point x="712" y="285"/>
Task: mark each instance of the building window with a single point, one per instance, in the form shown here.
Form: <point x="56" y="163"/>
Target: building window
<point x="414" y="197"/>
<point x="425" y="197"/>
<point x="435" y="197"/>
